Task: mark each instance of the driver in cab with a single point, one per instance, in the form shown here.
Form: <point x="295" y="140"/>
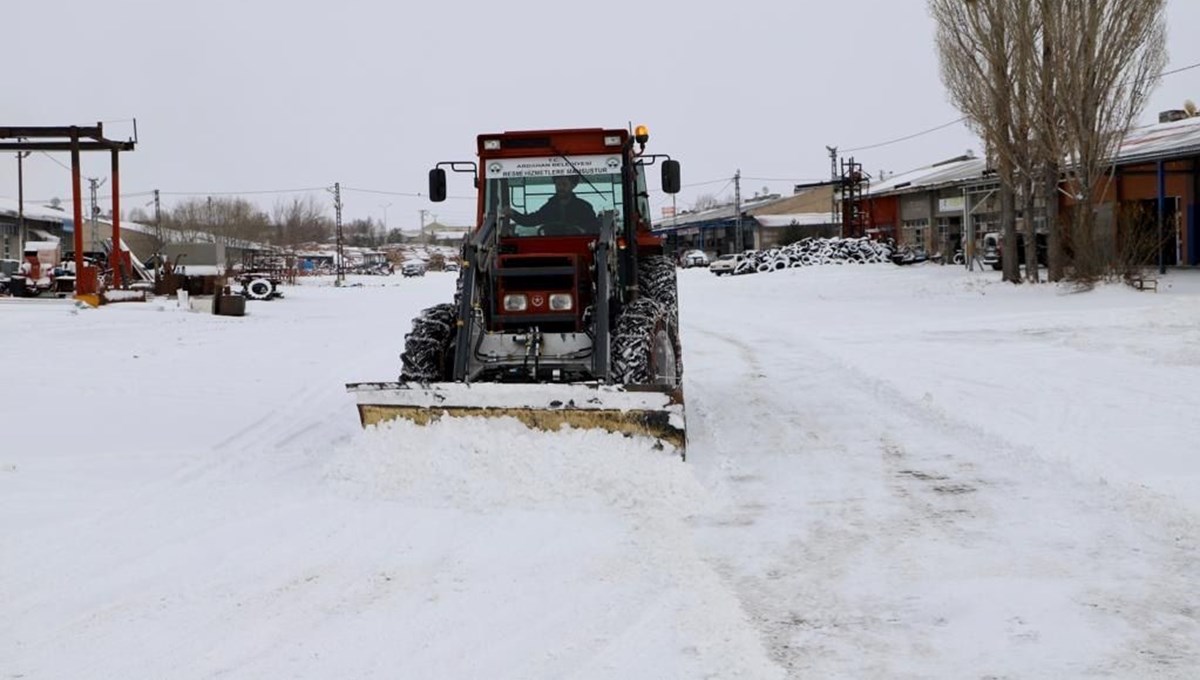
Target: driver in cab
<point x="563" y="215"/>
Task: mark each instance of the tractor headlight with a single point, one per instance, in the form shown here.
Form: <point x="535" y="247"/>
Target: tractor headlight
<point x="515" y="303"/>
<point x="561" y="302"/>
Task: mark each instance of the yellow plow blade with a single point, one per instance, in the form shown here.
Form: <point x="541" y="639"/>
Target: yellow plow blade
<point x="643" y="410"/>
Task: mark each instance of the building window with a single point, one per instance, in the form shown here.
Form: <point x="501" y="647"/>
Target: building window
<point x="914" y="232"/>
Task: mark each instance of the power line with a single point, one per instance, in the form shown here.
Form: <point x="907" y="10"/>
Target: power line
<point x="62" y="165"/>
<point x="786" y="179"/>
<point x="700" y="184"/>
<point x="906" y="137"/>
<point x="244" y="193"/>
<point x="1181" y="69"/>
<point x="402" y="193"/>
<point x="943" y="126"/>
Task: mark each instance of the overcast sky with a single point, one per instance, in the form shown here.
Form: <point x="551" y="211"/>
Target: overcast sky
<point x="240" y="96"/>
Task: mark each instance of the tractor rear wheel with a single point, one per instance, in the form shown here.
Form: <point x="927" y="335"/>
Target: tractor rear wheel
<point x="428" y="348"/>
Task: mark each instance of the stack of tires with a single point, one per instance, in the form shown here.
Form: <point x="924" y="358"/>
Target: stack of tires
<point x="817" y="251"/>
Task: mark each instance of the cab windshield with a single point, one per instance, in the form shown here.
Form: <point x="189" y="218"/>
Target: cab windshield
<point x="550" y="196"/>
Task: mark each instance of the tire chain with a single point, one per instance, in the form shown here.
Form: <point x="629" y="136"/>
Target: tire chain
<point x="656" y="279"/>
<point x="663" y="286"/>
<point x="425" y="347"/>
<point x="633" y="340"/>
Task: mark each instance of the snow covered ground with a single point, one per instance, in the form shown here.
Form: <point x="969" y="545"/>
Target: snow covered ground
<point x="909" y="472"/>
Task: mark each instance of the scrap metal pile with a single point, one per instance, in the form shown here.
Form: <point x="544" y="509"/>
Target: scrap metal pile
<point x="817" y="251"/>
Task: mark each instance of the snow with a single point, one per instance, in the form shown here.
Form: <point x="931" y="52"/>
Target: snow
<point x="797" y="219"/>
<point x="12" y="206"/>
<point x="893" y="472"/>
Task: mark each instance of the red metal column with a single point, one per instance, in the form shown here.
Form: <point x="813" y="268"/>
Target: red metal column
<point x="77" y="195"/>
<point x="117" y="257"/>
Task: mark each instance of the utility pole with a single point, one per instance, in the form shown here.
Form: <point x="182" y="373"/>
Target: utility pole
<point x="337" y="206"/>
<point x="158" y="236"/>
<point x="422" y="212"/>
<point x="738" y="239"/>
<point x="158" y="242"/>
<point x="21" y="155"/>
<point x="833" y="193"/>
<point x="95" y="184"/>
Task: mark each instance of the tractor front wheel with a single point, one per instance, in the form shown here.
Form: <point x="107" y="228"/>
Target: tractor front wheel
<point x="428" y="348"/>
<point x="645" y="347"/>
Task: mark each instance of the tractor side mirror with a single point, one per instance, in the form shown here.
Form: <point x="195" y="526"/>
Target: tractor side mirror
<point x="670" y="177"/>
<point x="437" y="185"/>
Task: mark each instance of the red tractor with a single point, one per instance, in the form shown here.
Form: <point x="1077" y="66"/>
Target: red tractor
<point x="562" y="288"/>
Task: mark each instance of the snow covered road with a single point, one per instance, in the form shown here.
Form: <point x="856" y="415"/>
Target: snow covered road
<point x="873" y="532"/>
<point x="892" y="472"/>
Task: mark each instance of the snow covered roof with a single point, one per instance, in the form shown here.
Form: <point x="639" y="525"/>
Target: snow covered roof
<point x="797" y="219"/>
<point x="41" y="213"/>
<point x="1150" y="142"/>
<point x="720" y="212"/>
<point x="1161" y="139"/>
<point x="938" y="174"/>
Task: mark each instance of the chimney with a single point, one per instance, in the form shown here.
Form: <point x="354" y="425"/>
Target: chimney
<point x="1172" y="115"/>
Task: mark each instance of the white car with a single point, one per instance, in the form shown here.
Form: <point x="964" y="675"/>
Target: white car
<point x="726" y="264"/>
<point x="413" y="268"/>
<point x="693" y="258"/>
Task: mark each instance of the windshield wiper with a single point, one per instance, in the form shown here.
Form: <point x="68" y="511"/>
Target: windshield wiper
<point x="576" y="169"/>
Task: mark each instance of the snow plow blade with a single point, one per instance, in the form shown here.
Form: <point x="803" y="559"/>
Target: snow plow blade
<point x="636" y="409"/>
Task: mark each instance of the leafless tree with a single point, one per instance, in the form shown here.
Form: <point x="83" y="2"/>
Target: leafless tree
<point x="218" y="219"/>
<point x="1048" y="81"/>
<point x="976" y="48"/>
<point x="1050" y="136"/>
<point x="705" y="202"/>
<point x="301" y="220"/>
<point x="1109" y="56"/>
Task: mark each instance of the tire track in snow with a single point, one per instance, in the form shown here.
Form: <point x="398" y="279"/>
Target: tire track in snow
<point x="910" y="475"/>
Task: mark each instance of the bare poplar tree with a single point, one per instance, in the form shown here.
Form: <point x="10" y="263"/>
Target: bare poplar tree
<point x="1050" y="135"/>
<point x="1048" y="83"/>
<point x="1026" y="73"/>
<point x="1108" y="57"/>
<point x="975" y="48"/>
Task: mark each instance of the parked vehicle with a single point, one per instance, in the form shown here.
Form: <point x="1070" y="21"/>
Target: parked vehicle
<point x="693" y="258"/>
<point x="993" y="249"/>
<point x="726" y="264"/>
<point x="413" y="268"/>
<point x="8" y="270"/>
<point x="909" y="255"/>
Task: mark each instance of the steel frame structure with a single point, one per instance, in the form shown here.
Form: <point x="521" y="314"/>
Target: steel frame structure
<point x="77" y="139"/>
